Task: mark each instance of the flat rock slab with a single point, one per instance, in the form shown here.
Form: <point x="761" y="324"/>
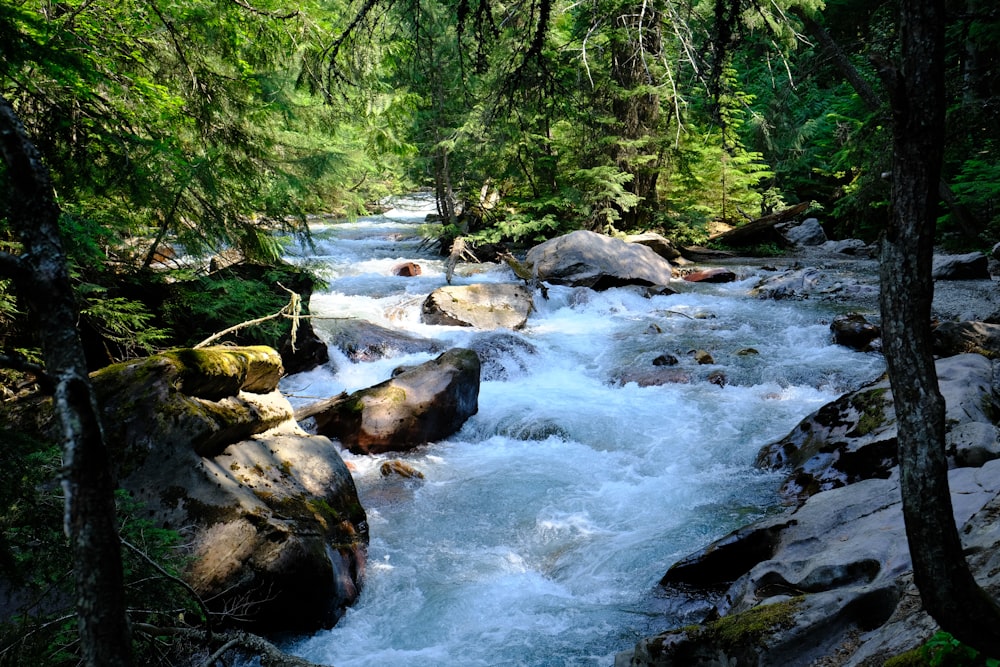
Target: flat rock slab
<point x="484" y="306"/>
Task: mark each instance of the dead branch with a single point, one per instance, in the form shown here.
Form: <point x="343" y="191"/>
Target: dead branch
<point x="291" y="310"/>
<point x="269" y="654"/>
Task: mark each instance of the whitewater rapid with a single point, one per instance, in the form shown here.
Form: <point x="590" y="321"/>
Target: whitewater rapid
<point x="541" y="529"/>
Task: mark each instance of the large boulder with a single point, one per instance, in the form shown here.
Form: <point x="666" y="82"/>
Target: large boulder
<point x="854" y="437"/>
<point x="803" y="585"/>
<point x="809" y="232"/>
<point x="361" y="340"/>
<point x="970" y="266"/>
<point x="417" y="406"/>
<point x="586" y="259"/>
<point x="658" y="243"/>
<point x="484" y="306"/>
<point x="270" y="514"/>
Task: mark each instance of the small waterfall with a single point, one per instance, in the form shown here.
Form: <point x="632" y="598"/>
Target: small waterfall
<point x="539" y="531"/>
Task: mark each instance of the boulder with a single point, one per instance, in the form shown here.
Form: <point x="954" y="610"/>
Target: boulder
<point x="502" y="354"/>
<point x="407" y="269"/>
<point x="806" y="233"/>
<point x="586" y="259"/>
<point x="951" y="338"/>
<point x="717" y="275"/>
<point x="814" y="283"/>
<point x="802" y="585"/>
<point x="971" y="266"/>
<point x="852" y="247"/>
<point x="361" y="340"/>
<point x="854" y="331"/>
<point x="270" y="515"/>
<point x="419" y="405"/>
<point x="854" y="437"/>
<point x="484" y="306"/>
<point x="305" y="352"/>
<point x="659" y="244"/>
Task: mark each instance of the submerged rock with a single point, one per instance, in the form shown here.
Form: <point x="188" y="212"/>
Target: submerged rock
<point x="361" y="340"/>
<point x="422" y="404"/>
<point x="586" y="259"/>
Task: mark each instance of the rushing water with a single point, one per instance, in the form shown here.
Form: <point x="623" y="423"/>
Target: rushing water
<point x="540" y="530"/>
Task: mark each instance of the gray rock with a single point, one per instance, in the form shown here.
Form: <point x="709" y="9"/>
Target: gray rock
<point x="419" y="405"/>
<point x="659" y="244"/>
<point x="854" y="437"/>
<point x="586" y="259"/>
<point x="971" y="266"/>
<point x="484" y="306"/>
<point x="839" y="567"/>
<point x="853" y="247"/>
<point x="806" y="233"/>
<point x="361" y="340"/>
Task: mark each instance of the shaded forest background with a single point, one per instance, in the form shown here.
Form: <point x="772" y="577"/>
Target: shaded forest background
<point x="215" y="127"/>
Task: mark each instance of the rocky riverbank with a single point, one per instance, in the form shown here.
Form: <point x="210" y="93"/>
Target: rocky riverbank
<point x="827" y="582"/>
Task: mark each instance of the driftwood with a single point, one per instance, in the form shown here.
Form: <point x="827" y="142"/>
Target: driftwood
<point x="760" y="230"/>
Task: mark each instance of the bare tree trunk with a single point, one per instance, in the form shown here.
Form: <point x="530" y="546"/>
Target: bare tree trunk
<point x="42" y="279"/>
<point x="948" y="590"/>
<point x="635" y="45"/>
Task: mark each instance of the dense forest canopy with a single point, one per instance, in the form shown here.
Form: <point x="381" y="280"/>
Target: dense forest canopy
<point x="216" y="126"/>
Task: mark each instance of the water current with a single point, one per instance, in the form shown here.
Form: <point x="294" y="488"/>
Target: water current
<point x="540" y="530"/>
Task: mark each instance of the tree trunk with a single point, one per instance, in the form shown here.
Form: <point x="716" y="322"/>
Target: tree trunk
<point x="948" y="590"/>
<point x="42" y="279"/>
<point x="635" y="47"/>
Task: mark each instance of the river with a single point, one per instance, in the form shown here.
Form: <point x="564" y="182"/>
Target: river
<point x="540" y="530"/>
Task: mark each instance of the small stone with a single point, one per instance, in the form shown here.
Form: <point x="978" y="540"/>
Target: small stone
<point x="703" y="357"/>
<point x="665" y="360"/>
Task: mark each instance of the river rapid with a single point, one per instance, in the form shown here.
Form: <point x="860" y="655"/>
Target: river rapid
<point x="540" y="530"/>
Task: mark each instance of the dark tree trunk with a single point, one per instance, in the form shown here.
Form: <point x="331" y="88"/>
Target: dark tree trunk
<point x="41" y="277"/>
<point x="635" y="47"/>
<point x="948" y="590"/>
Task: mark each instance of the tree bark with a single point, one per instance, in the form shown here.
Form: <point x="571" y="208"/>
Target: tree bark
<point x="42" y="279"/>
<point x="948" y="590"/>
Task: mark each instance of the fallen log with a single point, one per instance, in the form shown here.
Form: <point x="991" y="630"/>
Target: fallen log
<point x="760" y="230"/>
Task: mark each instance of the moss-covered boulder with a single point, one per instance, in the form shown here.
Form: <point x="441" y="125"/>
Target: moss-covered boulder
<point x="271" y="516"/>
<point x="422" y="404"/>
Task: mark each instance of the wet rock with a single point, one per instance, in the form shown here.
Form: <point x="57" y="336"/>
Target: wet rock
<point x="484" y="306"/>
<point x="658" y="290"/>
<point x="400" y="469"/>
<point x="805" y="582"/>
<point x="703" y="357"/>
<point x="717" y="275"/>
<point x="306" y="352"/>
<point x="269" y="514"/>
<point x="791" y="284"/>
<point x="854" y="331"/>
<point x="971" y="266"/>
<point x="854" y="437"/>
<point x="423" y="404"/>
<point x="852" y="247"/>
<point x="407" y="269"/>
<point x="586" y="259"/>
<point x="361" y="340"/>
<point x="502" y="354"/>
<point x="654" y="377"/>
<point x="717" y="378"/>
<point x="665" y="360"/>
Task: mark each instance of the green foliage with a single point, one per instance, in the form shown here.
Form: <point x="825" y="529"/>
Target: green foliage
<point x="40" y="630"/>
<point x="977" y="187"/>
<point x="122" y="322"/>
<point x="943" y="650"/>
